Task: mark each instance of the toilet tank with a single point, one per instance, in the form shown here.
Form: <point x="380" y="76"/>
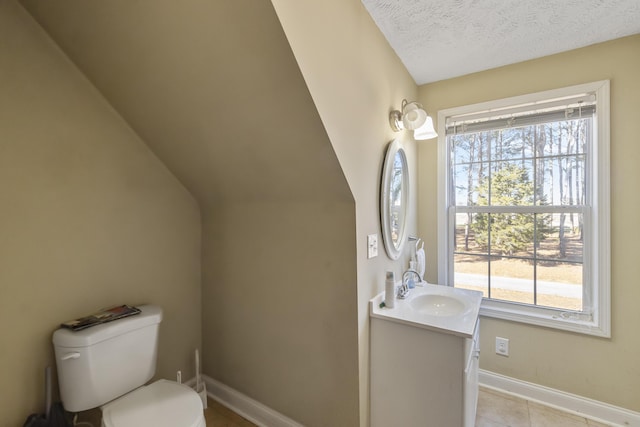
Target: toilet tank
<point x="104" y="362"/>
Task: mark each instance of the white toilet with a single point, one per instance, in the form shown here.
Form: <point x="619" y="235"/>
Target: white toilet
<point x="107" y="366"/>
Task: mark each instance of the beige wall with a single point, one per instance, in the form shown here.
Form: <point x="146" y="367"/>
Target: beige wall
<point x="215" y="91"/>
<point x="601" y="369"/>
<point x="210" y="86"/>
<point x="185" y="78"/>
<point x="280" y="306"/>
<point x="89" y="218"/>
<point x="355" y="79"/>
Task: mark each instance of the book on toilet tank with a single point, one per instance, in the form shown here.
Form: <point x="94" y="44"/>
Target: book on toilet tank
<point x="100" y="317"/>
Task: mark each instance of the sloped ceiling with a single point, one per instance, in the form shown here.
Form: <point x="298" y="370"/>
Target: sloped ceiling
<point x="438" y="40"/>
<point x="211" y="86"/>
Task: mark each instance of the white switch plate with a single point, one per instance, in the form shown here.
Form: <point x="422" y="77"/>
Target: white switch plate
<point x="502" y="346"/>
<point x="372" y="246"/>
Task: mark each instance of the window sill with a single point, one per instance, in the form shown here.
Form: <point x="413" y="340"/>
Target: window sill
<point x="546" y="317"/>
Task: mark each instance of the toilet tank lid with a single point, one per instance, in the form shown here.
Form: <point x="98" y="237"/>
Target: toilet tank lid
<point x="149" y="315"/>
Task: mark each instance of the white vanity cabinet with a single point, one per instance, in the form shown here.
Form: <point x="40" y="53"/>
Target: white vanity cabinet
<point x="472" y="355"/>
<point x="421" y="375"/>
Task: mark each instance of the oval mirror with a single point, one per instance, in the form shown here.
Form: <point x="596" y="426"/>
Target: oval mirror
<point x="394" y="199"/>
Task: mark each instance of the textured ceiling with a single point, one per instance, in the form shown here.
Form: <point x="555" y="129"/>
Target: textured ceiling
<point x="441" y="39"/>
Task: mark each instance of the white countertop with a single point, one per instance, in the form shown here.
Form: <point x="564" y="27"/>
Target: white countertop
<point x="462" y="324"/>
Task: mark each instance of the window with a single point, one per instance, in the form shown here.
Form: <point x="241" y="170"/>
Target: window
<point x="524" y="206"/>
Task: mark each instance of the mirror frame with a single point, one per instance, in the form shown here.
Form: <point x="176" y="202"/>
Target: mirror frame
<point x="393" y="250"/>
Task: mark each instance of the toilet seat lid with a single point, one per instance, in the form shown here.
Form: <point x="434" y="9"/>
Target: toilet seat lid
<point x="160" y="404"/>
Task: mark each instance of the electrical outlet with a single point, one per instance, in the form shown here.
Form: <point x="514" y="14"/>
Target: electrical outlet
<point x="372" y="245"/>
<point x="502" y="346"/>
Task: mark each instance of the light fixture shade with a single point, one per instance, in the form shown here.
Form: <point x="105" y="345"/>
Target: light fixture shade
<point x="426" y="131"/>
<point x="414" y="118"/>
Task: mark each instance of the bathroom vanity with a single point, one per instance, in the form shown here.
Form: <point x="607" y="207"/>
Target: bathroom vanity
<point x="424" y="358"/>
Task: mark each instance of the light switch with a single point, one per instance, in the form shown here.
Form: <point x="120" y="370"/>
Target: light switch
<point x="372" y="246"/>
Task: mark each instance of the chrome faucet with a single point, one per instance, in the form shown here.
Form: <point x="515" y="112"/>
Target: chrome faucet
<point x="404" y="288"/>
<point x="411" y="271"/>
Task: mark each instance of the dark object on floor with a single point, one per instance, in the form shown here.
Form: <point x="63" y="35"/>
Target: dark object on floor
<point x="57" y="418"/>
<point x="54" y="415"/>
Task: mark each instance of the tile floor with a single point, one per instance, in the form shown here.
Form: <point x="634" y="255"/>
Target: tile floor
<point x="501" y="410"/>
<point x="494" y="410"/>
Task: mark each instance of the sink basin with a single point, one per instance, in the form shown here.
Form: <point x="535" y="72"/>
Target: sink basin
<point x="438" y="308"/>
<point x="438" y="305"/>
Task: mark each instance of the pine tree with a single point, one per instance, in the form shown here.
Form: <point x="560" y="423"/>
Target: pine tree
<point x="510" y="232"/>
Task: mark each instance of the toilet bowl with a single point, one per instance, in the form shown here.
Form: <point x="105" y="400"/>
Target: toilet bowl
<point x="160" y="404"/>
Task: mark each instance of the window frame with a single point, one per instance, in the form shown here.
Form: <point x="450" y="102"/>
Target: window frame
<point x="597" y="262"/>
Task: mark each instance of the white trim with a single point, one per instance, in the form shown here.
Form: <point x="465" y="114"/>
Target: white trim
<point x="243" y="405"/>
<point x="567" y="402"/>
<point x="602" y="210"/>
<point x="597" y="248"/>
<point x="530" y="98"/>
<point x="445" y="268"/>
<point x="511" y="109"/>
<point x="540" y="316"/>
<point x="394" y="148"/>
<point x="264" y="416"/>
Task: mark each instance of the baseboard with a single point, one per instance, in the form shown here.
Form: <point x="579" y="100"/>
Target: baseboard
<point x="264" y="416"/>
<point x="245" y="406"/>
<point x="585" y="407"/>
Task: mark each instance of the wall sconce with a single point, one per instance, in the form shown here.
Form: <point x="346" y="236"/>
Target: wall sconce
<point x="413" y="117"/>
